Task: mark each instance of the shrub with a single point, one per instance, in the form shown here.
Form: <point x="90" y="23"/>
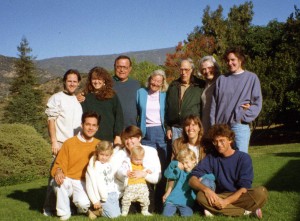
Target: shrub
<point x="25" y="155"/>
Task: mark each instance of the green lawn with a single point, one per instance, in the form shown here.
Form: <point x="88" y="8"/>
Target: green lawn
<point x="277" y="167"/>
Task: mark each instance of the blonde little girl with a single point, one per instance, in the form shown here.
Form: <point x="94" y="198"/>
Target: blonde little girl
<point x="101" y="188"/>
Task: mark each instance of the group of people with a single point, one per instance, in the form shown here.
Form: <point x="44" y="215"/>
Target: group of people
<point x="115" y="143"/>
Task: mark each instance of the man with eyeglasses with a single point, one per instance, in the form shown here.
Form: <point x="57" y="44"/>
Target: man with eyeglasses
<point x="126" y="89"/>
<point x="233" y="173"/>
<point x="183" y="99"/>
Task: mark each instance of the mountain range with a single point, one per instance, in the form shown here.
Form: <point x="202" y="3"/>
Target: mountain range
<point x="50" y="68"/>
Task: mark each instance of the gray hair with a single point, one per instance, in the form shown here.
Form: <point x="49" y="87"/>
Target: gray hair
<point x="190" y="61"/>
<point x="212" y="60"/>
<point x="158" y="72"/>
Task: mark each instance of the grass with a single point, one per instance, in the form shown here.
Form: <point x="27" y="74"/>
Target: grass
<point x="275" y="166"/>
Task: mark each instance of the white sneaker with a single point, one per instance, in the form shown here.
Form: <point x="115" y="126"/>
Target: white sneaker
<point x="208" y="214"/>
<point x="124" y="214"/>
<point x="65" y="217"/>
<point x="146" y="213"/>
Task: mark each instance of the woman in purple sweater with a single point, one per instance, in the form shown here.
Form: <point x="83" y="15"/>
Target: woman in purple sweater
<point x="237" y="99"/>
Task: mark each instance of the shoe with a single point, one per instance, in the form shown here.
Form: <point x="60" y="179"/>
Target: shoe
<point x="47" y="213"/>
<point x="65" y="217"/>
<point x="91" y="215"/>
<point x="146" y="213"/>
<point x="208" y="214"/>
<point x="257" y="213"/>
<point x="124" y="214"/>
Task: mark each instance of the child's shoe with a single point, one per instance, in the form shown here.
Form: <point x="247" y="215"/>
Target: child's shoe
<point x="146" y="213"/>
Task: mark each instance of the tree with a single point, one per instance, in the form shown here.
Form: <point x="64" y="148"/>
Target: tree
<point x="25" y="102"/>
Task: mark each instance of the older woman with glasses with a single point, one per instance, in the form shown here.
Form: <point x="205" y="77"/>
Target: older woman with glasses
<point x="151" y="111"/>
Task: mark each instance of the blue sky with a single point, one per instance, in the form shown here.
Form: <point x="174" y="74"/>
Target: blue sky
<point x="56" y="28"/>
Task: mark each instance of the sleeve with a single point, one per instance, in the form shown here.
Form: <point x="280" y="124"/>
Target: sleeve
<point x="245" y="172"/>
<point x="61" y="160"/>
<point x="172" y="172"/>
<point x="202" y="168"/>
<point x="122" y="171"/>
<point x="53" y="109"/>
<point x="255" y="103"/>
<point x="138" y="108"/>
<point x="154" y="165"/>
<point x="91" y="185"/>
<point x="212" y="114"/>
<point x="119" y="119"/>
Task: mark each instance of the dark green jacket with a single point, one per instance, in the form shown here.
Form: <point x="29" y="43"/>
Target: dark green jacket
<point x="177" y="109"/>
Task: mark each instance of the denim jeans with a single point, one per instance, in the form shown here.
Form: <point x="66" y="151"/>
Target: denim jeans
<point x="242" y="136"/>
<point x="111" y="208"/>
<point x="170" y="210"/>
<point x="176" y="133"/>
<point x="208" y="182"/>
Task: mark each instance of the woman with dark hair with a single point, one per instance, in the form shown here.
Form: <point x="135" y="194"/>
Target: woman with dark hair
<point x="100" y="97"/>
<point x="131" y="137"/>
<point x="237" y="100"/>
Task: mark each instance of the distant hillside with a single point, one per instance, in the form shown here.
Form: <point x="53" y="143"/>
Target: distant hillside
<point x="58" y="66"/>
<point x="55" y="67"/>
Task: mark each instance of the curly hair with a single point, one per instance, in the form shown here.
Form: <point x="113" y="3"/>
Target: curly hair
<point x="106" y="91"/>
<point x="222" y="130"/>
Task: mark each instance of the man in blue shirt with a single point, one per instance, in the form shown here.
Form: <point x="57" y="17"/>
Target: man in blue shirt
<point x="233" y="172"/>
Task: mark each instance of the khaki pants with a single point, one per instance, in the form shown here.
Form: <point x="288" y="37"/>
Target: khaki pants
<point x="254" y="198"/>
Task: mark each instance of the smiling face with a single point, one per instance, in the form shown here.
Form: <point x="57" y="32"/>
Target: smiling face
<point x="223" y="145"/>
<point x="122" y="69"/>
<point x="234" y="64"/>
<point x="192" y="130"/>
<point x="207" y="69"/>
<point x="188" y="164"/>
<point x="97" y="82"/>
<point x="71" y="83"/>
<point x="185" y="72"/>
<point x="156" y="83"/>
<point x="132" y="142"/>
<point x="89" y="127"/>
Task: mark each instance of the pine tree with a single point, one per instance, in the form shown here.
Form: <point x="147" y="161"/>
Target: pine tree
<point x="25" y="102"/>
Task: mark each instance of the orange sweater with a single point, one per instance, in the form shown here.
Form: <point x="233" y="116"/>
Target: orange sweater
<point x="73" y="157"/>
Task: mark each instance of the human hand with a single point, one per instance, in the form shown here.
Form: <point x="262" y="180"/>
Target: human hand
<point x="245" y="106"/>
<point x="55" y="147"/>
<point x="137" y="174"/>
<point x="148" y="171"/>
<point x="97" y="205"/>
<point x="59" y="176"/>
<point x="180" y="165"/>
<point x="80" y="97"/>
<point x="221" y="203"/>
<point x="165" y="196"/>
<point x="169" y="134"/>
<point x="211" y="197"/>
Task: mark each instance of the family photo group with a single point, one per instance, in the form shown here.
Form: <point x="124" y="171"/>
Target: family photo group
<point x="170" y="149"/>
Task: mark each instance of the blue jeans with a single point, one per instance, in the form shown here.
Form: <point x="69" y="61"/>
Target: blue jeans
<point x="208" y="181"/>
<point x="242" y="136"/>
<point x="176" y="133"/>
<point x="155" y="137"/>
<point x="170" y="209"/>
<point x="111" y="208"/>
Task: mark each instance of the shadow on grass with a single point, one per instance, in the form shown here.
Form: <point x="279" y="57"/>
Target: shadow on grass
<point x="287" y="179"/>
<point x="272" y="136"/>
<point x="34" y="197"/>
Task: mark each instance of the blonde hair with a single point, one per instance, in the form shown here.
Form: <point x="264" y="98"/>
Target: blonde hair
<point x="186" y="154"/>
<point x="137" y="151"/>
<point x="103" y="146"/>
<point x="159" y="72"/>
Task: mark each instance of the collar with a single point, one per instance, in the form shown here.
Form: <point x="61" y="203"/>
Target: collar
<point x="81" y="138"/>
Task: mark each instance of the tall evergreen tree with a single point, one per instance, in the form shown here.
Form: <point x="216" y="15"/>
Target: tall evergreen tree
<point x="25" y="102"/>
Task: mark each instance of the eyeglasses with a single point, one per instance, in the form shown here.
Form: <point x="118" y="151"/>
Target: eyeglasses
<point x="122" y="67"/>
<point x="216" y="142"/>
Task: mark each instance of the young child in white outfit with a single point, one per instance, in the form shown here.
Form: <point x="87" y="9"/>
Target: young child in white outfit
<point x="100" y="185"/>
<point x="136" y="189"/>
